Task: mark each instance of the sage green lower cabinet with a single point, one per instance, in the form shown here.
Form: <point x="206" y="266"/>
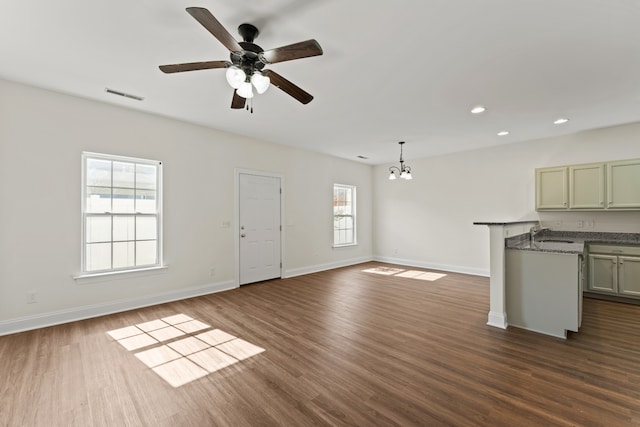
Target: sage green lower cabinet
<point x="603" y="274"/>
<point x="629" y="276"/>
<point x="543" y="291"/>
<point x="614" y="270"/>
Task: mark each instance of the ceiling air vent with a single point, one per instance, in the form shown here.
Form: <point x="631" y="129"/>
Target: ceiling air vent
<point x="126" y="95"/>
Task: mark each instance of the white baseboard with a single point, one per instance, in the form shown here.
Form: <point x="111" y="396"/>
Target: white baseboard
<point x="433" y="266"/>
<point x="498" y="320"/>
<point x="87" y="312"/>
<point x="323" y="267"/>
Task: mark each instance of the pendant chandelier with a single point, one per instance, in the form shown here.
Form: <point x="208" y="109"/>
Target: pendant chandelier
<point x="403" y="171"/>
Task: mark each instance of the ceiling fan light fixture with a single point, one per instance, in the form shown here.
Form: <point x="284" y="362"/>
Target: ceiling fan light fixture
<point x="235" y="77"/>
<point x="245" y="90"/>
<point x="260" y="82"/>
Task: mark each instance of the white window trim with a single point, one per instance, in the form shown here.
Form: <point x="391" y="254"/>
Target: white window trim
<point x="116" y="273"/>
<point x="354" y="215"/>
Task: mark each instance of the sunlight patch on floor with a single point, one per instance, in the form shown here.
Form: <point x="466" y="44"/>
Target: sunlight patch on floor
<point x="385" y="271"/>
<point x="409" y="274"/>
<point x="421" y="275"/>
<point x="180" y="361"/>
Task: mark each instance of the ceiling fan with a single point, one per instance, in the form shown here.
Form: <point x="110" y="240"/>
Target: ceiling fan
<point x="246" y="70"/>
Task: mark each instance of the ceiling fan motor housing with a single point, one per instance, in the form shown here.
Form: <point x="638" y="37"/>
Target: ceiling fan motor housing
<point x="248" y="60"/>
<point x="248" y="32"/>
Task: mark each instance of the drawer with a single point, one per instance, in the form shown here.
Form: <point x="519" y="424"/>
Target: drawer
<point x="614" y="249"/>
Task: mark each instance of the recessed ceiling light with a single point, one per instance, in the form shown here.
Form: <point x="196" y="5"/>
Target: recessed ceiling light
<point x="503" y="133"/>
<point x="560" y="121"/>
<point x="478" y="109"/>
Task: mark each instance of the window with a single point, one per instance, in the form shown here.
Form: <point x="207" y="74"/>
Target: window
<point x="344" y="215"/>
<point x="121" y="213"/>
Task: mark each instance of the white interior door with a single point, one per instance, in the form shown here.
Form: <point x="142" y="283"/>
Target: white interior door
<point x="259" y="228"/>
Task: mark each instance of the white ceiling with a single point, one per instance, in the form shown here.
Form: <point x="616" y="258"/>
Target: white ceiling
<point x="399" y="70"/>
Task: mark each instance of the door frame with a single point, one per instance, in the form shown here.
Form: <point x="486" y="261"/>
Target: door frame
<point x="236" y="224"/>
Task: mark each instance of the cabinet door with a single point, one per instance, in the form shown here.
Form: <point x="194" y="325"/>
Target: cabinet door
<point x="623" y="184"/>
<point x="603" y="273"/>
<point x="551" y="188"/>
<point x="586" y="186"/>
<point x="629" y="276"/>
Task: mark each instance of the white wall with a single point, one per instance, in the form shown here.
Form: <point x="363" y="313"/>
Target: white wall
<point x="42" y="136"/>
<point x="428" y="221"/>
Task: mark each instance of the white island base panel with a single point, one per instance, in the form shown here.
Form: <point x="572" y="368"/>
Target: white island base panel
<point x="543" y="291"/>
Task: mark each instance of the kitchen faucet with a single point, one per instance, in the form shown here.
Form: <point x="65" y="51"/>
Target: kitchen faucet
<point x="535" y="230"/>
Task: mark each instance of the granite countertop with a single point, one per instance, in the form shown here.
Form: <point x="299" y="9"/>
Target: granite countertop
<point x="568" y="242"/>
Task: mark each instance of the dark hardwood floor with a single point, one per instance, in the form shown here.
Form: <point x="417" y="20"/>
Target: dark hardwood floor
<point x="342" y="347"/>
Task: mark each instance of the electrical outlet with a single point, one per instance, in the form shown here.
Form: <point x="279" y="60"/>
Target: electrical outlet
<point x="580" y="224"/>
<point x="212" y="272"/>
<point x="32" y="297"/>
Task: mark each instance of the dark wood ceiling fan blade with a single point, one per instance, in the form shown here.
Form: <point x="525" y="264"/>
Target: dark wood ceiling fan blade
<point x="237" y="102"/>
<point x="208" y="21"/>
<point x="299" y="50"/>
<point x="193" y="66"/>
<point x="286" y="86"/>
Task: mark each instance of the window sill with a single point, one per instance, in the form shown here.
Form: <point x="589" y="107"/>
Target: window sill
<point x="88" y="278"/>
<point x="346" y="245"/>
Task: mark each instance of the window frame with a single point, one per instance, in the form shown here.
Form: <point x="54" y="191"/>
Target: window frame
<point x="353" y="215"/>
<point x="86" y="156"/>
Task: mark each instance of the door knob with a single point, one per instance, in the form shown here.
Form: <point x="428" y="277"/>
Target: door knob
<point x="242" y="235"/>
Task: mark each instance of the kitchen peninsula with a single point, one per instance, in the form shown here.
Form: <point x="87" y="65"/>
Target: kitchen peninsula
<point x="537" y="279"/>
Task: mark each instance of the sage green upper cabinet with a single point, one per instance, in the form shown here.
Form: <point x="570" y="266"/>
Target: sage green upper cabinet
<point x="552" y="188"/>
<point x="589" y="186"/>
<point x="623" y="189"/>
<point x="586" y="186"/>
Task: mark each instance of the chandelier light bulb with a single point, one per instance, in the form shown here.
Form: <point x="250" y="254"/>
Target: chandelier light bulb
<point x="245" y="90"/>
<point x="235" y="77"/>
<point x="392" y="176"/>
<point x="408" y="176"/>
<point x="260" y="82"/>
